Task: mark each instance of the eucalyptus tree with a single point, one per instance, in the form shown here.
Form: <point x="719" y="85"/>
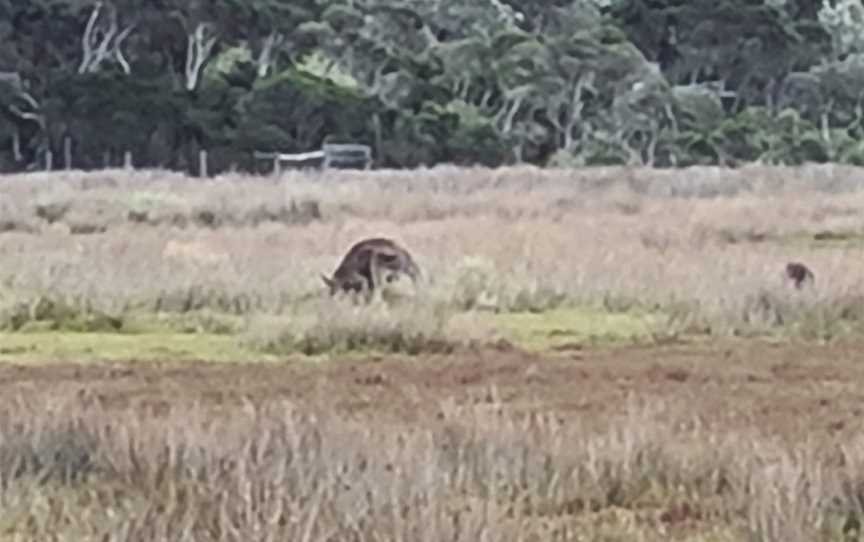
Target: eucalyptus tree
<point x="746" y="46"/>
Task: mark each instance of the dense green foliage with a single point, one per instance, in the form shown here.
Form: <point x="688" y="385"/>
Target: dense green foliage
<point x="565" y="82"/>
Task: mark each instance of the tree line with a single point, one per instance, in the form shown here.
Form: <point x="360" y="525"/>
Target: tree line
<point x="564" y="82"/>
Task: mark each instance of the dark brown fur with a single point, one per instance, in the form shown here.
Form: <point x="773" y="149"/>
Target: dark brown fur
<point x="799" y="274"/>
<point x="370" y="262"/>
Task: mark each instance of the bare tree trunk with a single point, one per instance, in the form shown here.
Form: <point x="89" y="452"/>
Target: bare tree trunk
<point x="568" y="135"/>
<point x="49" y="160"/>
<point x="198" y="52"/>
<point x="127" y="160"/>
<point x="651" y="150"/>
<point x="95" y="50"/>
<point x="266" y="57"/>
<point x="634" y="156"/>
<point x="506" y="116"/>
<point x="739" y="94"/>
<point x="673" y="120"/>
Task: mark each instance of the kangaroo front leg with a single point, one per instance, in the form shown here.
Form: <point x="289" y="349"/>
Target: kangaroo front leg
<point x="377" y="273"/>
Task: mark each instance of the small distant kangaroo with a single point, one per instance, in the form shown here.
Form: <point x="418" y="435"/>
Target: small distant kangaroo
<point x="369" y="264"/>
<point x="799" y="274"/>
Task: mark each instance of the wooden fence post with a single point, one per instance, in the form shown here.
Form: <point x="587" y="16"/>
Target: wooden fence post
<point x="127" y="160"/>
<point x="16" y="145"/>
<point x="202" y="163"/>
<point x="379" y="138"/>
<point x="49" y="160"/>
<point x="67" y="152"/>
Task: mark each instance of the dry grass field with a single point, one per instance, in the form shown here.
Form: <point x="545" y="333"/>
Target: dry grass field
<point x="603" y="354"/>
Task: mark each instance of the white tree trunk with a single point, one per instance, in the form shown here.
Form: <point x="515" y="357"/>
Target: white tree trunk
<point x="266" y="58"/>
<point x="96" y="48"/>
<point x="198" y="52"/>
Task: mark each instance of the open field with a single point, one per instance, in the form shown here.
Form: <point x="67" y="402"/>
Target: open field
<point x="602" y="354"/>
<point x="701" y="249"/>
<point x="733" y="440"/>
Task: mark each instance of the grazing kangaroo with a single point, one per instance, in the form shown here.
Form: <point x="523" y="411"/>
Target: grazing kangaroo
<point x="368" y="264"/>
<point x="799" y="273"/>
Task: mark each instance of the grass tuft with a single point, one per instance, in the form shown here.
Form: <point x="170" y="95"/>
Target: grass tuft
<point x="341" y="326"/>
<point x="73" y="470"/>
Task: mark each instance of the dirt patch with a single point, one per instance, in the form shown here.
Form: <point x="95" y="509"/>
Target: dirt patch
<point x="784" y="389"/>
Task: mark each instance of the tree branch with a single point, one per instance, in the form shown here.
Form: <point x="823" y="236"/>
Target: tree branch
<point x="27" y="115"/>
<point x="14" y="80"/>
<point x="118" y="52"/>
<point x="102" y="48"/>
<point x="511" y="115"/>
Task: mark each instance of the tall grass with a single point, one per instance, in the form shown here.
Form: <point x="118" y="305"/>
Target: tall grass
<point x="704" y="247"/>
<point x="72" y="470"/>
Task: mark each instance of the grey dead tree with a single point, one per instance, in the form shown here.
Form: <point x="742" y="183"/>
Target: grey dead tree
<point x="198" y="52"/>
<point x="103" y="39"/>
<point x="266" y="57"/>
<point x="201" y="39"/>
<point x="21" y="105"/>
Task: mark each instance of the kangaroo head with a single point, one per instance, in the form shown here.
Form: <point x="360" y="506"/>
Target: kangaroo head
<point x="353" y="283"/>
<point x="331" y="284"/>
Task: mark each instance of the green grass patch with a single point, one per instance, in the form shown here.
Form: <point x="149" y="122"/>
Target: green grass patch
<point x="564" y="327"/>
<point x="360" y="330"/>
<point x="825" y="239"/>
<point x="374" y="329"/>
<point x="52" y="346"/>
